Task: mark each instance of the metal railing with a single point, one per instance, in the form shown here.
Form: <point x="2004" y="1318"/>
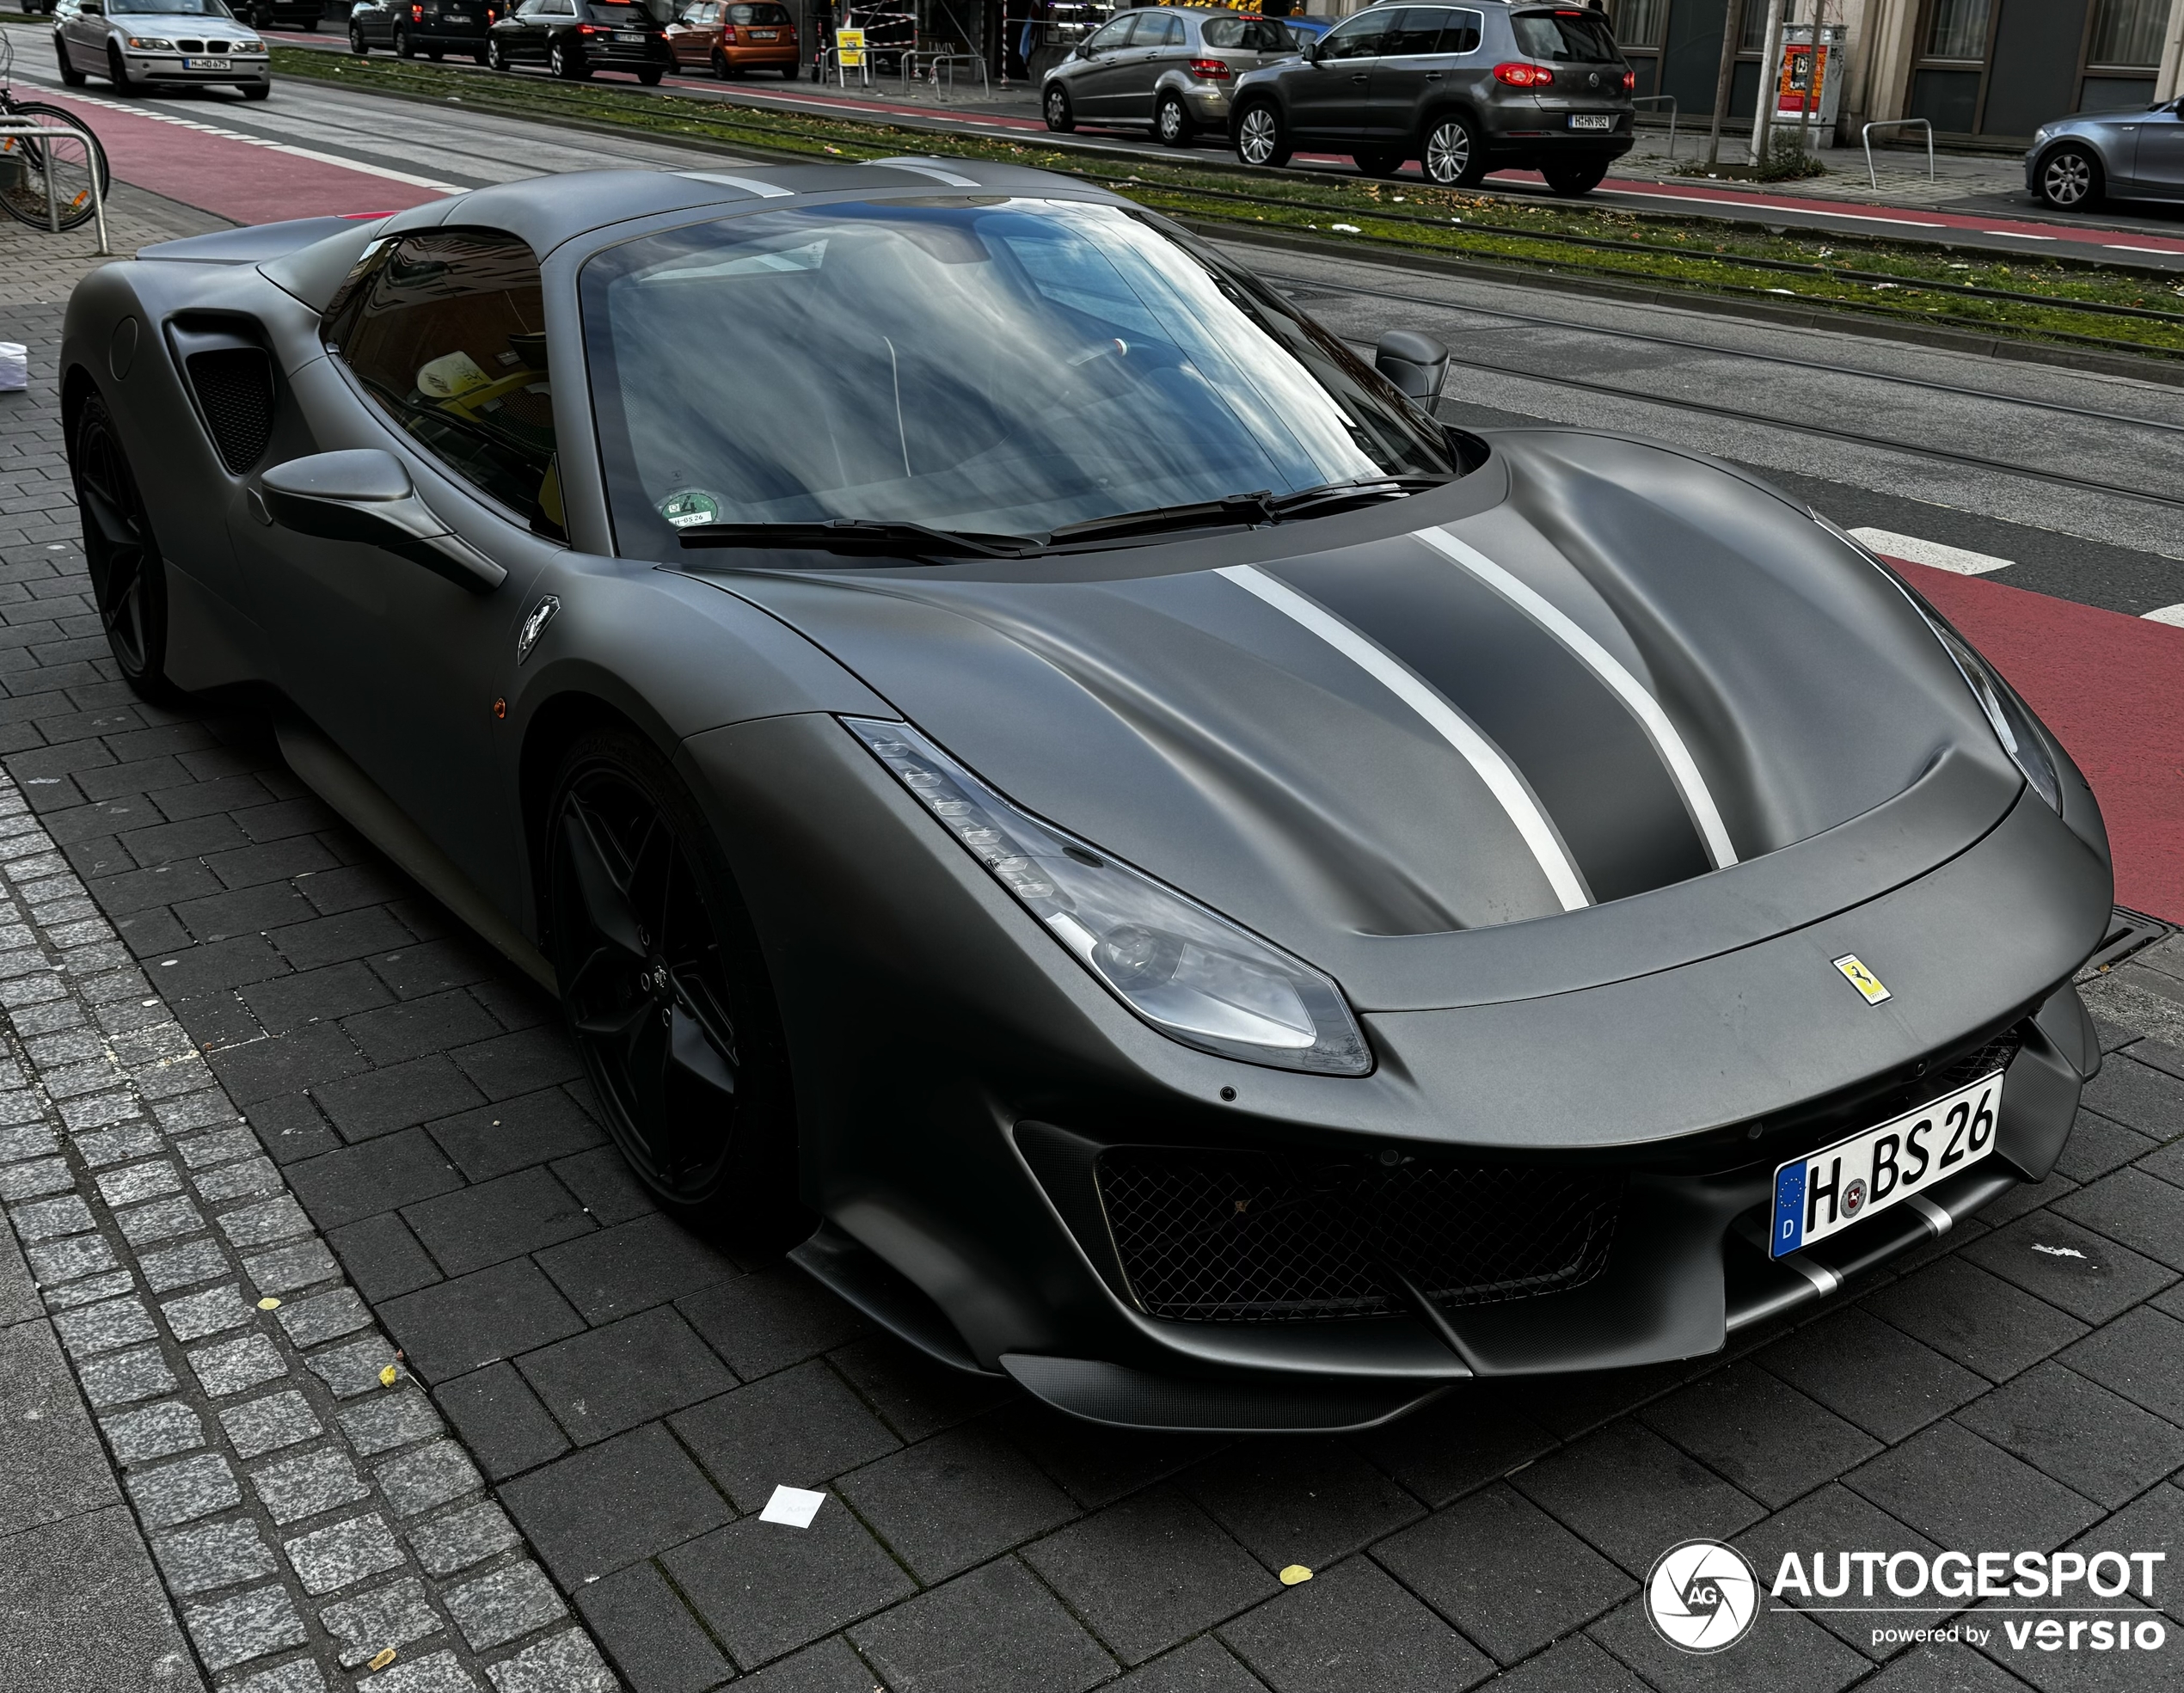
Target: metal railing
<point x="1866" y="136"/>
<point x="924" y="64"/>
<point x="1655" y="100"/>
<point x="29" y="129"/>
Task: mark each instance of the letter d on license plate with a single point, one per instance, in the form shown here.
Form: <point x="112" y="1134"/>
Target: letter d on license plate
<point x="1825" y="1192"/>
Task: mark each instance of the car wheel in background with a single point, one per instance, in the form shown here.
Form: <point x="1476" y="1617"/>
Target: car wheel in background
<point x="565" y="62"/>
<point x="117" y="70"/>
<point x="1454" y="154"/>
<point x="357" y="43"/>
<point x="650" y="75"/>
<point x="1055" y="106"/>
<point x="128" y="576"/>
<point x="261" y="18"/>
<point x="2069" y="177"/>
<point x="436" y="54"/>
<point x="70" y="74"/>
<point x="483" y="55"/>
<point x="402" y="45"/>
<point x="496" y="56"/>
<point x="666" y="992"/>
<point x="1171" y="123"/>
<point x="1378" y="161"/>
<point x="1262" y="138"/>
<point x="724" y="67"/>
<point x="257" y="90"/>
<point x="1571" y="180"/>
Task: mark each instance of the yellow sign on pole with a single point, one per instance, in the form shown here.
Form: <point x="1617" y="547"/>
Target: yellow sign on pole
<point x="849" y="48"/>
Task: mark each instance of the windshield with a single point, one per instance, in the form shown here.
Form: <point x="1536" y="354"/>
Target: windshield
<point x="170" y="8"/>
<point x="1565" y="38"/>
<point x="973" y="364"/>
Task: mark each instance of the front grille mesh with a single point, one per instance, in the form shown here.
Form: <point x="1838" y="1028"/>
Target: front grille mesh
<point x="1217" y="1236"/>
<point x="235" y="387"/>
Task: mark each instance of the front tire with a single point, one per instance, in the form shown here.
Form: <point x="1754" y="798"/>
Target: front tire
<point x="69" y="74"/>
<point x="357" y="45"/>
<point x="128" y="574"/>
<point x="666" y="992"/>
<point x="257" y="90"/>
<point x="496" y="56"/>
<point x="1172" y="123"/>
<point x="1569" y="180"/>
<point x="117" y="70"/>
<point x="404" y="48"/>
<point x="650" y="75"/>
<point x="1262" y="138"/>
<point x="2071" y="178"/>
<point x="1055" y="107"/>
<point x="1454" y="153"/>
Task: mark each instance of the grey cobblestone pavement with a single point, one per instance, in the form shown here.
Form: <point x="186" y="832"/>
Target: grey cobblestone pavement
<point x="251" y="1062"/>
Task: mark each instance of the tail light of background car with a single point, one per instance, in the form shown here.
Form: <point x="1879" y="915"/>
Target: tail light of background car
<point x="417" y="15"/>
<point x="1210" y="70"/>
<point x="1520" y="75"/>
<point x="727" y="35"/>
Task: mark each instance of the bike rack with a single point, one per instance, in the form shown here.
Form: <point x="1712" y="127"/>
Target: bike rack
<point x="1655" y="100"/>
<point x="1866" y="136"/>
<point x="30" y="130"/>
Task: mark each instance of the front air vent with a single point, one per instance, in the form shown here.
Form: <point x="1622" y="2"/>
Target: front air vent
<point x="235" y="392"/>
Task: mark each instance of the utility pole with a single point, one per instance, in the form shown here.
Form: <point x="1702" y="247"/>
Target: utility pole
<point x="1725" y="78"/>
<point x="1812" y="80"/>
<point x="1771" y="47"/>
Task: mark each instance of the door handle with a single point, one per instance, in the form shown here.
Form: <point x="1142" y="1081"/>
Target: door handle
<point x="1357" y="79"/>
<point x="1432" y="75"/>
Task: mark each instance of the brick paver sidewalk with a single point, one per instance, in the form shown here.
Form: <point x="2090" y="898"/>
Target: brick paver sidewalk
<point x="633" y="1396"/>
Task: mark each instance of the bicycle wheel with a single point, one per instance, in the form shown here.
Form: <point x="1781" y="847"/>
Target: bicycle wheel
<point x="22" y="188"/>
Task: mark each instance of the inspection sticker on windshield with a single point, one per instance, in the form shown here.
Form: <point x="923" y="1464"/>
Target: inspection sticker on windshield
<point x="1825" y="1192"/>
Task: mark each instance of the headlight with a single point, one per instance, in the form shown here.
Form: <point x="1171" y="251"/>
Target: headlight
<point x="150" y="44"/>
<point x="1188" y="972"/>
<point x="2011" y="718"/>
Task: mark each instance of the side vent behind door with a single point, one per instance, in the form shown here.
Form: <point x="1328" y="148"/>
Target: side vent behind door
<point x="235" y="393"/>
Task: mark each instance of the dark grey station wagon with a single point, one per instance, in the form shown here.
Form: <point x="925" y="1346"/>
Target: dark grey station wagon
<point x="1463" y="89"/>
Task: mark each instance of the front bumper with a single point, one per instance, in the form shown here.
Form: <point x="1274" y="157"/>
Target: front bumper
<point x="958" y="1075"/>
<point x="172" y="67"/>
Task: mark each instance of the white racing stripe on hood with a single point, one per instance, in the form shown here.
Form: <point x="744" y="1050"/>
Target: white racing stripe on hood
<point x="1499" y="776"/>
<point x="1682" y="770"/>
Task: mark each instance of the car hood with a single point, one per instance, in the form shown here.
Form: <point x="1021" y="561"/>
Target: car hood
<point x="181" y="23"/>
<point x="1377" y="739"/>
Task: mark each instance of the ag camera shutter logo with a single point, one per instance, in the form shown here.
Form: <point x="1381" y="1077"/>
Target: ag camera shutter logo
<point x="1702" y="1596"/>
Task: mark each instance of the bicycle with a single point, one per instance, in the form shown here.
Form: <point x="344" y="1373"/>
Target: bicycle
<point x="27" y="161"/>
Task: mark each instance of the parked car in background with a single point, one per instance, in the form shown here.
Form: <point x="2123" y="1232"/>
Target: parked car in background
<point x="432" y="27"/>
<point x="1463" y="89"/>
<point x="1170" y="68"/>
<point x="2074" y="162"/>
<point x="282" y="14"/>
<point x="574" y="37"/>
<point x="1305" y="31"/>
<point x="134" y="44"/>
<point x="735" y="36"/>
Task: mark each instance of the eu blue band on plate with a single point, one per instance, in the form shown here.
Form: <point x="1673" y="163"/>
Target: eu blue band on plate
<point x="1789" y="1209"/>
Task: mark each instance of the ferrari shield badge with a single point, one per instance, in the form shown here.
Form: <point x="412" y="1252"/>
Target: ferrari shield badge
<point x="1854" y="972"/>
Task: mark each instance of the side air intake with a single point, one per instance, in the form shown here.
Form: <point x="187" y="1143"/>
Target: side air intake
<point x="235" y="392"/>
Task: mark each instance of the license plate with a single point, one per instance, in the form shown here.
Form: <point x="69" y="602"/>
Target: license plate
<point x="1825" y="1192"/>
<point x="208" y="64"/>
<point x="764" y="34"/>
<point x="631" y="36"/>
<point x="1582" y="121"/>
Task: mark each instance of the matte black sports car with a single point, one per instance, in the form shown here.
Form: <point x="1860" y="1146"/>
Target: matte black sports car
<point x="1040" y="775"/>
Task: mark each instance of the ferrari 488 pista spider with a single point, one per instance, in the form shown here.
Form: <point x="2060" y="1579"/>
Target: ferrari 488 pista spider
<point x="1055" y="790"/>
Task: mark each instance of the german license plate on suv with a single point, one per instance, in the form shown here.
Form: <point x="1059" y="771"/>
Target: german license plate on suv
<point x="1587" y="121"/>
<point x="1825" y="1192"/>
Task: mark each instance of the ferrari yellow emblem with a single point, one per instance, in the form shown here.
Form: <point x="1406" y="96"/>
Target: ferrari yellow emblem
<point x="1854" y="972"/>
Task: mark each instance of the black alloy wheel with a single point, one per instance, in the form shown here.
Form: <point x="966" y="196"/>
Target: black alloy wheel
<point x="1570" y="181"/>
<point x="1171" y="123"/>
<point x="667" y="994"/>
<point x="1262" y="138"/>
<point x="496" y="56"/>
<point x="566" y="62"/>
<point x="1378" y="161"/>
<point x="128" y="576"/>
<point x="1056" y="106"/>
<point x="1454" y="155"/>
<point x="357" y="43"/>
<point x="2069" y="178"/>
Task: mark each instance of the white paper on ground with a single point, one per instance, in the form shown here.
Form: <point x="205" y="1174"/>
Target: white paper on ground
<point x="15" y="367"/>
<point x="795" y="1507"/>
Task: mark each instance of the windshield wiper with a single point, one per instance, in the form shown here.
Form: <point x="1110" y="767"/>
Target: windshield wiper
<point x="864" y="536"/>
<point x="1357" y="488"/>
<point x="1235" y="508"/>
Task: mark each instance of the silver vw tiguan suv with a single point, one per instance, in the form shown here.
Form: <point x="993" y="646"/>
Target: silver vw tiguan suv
<point x="1461" y="88"/>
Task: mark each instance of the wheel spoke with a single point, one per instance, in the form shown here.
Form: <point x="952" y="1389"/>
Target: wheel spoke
<point x="110" y="515"/>
<point x="696" y="1062"/>
<point x="604" y="897"/>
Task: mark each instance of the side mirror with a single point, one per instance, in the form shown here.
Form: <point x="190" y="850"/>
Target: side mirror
<point x="1417" y="364"/>
<point x="365" y="495"/>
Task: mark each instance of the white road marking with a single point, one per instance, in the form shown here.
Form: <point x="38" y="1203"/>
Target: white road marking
<point x="1482" y="755"/>
<point x="2166" y="252"/>
<point x="1683" y="769"/>
<point x="2020" y="234"/>
<point x="2059" y="1251"/>
<point x="261" y="141"/>
<point x="1931" y="552"/>
<point x="2173" y="615"/>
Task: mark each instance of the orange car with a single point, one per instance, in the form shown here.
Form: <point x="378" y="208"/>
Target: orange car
<point x="735" y="36"/>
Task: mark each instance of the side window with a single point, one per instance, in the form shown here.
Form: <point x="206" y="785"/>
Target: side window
<point x="1112" y="34"/>
<point x="1362" y="36"/>
<point x="1463" y="32"/>
<point x="1417" y="32"/>
<point x="447" y="333"/>
<point x="1166" y="31"/>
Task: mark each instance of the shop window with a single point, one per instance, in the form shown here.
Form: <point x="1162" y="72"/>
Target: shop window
<point x="1959" y="29"/>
